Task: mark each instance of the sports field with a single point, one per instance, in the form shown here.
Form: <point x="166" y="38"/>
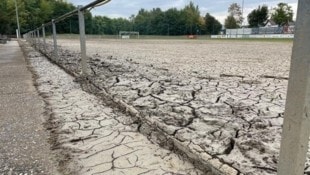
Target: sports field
<point x="221" y="102"/>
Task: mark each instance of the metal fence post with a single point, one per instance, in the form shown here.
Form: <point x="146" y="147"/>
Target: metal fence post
<point x="55" y="39"/>
<point x="34" y="38"/>
<point x="38" y="37"/>
<point x="296" y="126"/>
<point x="43" y="37"/>
<point x="82" y="40"/>
<point x="30" y="37"/>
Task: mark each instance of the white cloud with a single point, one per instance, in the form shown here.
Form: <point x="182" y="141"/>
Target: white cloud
<point x="294" y="7"/>
<point x="220" y="16"/>
<point x="176" y="4"/>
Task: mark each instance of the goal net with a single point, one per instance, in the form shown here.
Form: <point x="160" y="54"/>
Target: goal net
<point x="128" y="34"/>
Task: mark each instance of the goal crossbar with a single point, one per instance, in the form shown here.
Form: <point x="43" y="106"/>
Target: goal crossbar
<point x="121" y="33"/>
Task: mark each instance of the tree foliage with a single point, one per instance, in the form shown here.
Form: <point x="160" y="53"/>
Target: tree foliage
<point x="282" y="14"/>
<point x="258" y="17"/>
<point x="234" y="10"/>
<point x="170" y="22"/>
<point x="212" y="25"/>
<point x="234" y="18"/>
<point x="33" y="13"/>
<point x="191" y="15"/>
<point x="231" y="23"/>
<point x="157" y="22"/>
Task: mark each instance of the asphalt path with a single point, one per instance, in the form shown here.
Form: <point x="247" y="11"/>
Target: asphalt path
<point x="23" y="140"/>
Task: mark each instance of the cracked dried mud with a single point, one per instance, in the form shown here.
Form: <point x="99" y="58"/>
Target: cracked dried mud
<point x="90" y="138"/>
<point x="219" y="104"/>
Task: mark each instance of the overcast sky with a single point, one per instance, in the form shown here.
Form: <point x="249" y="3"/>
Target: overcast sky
<point x="217" y="8"/>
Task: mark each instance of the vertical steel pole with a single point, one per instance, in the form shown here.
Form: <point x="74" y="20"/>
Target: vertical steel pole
<point x="34" y="39"/>
<point x="55" y="39"/>
<point x="43" y="37"/>
<point x="17" y="20"/>
<point x="38" y="37"/>
<point x="296" y="127"/>
<point x="17" y="33"/>
<point x="82" y="41"/>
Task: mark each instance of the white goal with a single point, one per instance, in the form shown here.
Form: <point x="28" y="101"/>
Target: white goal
<point x="128" y="34"/>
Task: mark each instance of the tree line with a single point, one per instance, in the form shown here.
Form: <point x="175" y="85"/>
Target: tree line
<point x="280" y="15"/>
<point x="33" y="13"/>
<point x="185" y="21"/>
<point x="158" y="22"/>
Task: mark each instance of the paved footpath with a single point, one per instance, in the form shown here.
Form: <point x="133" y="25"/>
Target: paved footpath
<point x="23" y="140"/>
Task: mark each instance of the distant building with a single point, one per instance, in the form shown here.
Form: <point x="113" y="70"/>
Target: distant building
<point x="289" y="27"/>
<point x="271" y="23"/>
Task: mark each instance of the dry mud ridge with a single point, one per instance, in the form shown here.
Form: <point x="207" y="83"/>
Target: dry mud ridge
<point x="90" y="138"/>
<point x="229" y="124"/>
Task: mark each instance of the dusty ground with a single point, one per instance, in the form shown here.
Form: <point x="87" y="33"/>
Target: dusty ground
<point x="249" y="59"/>
<point x="220" y="103"/>
<point x="90" y="138"/>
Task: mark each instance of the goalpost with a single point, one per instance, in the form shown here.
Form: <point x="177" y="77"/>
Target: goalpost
<point x="128" y="34"/>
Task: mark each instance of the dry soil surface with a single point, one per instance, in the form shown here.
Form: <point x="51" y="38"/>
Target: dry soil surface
<point x="219" y="102"/>
<point x="213" y="58"/>
<point x="90" y="138"/>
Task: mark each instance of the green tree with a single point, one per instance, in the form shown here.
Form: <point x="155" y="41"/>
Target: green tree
<point x="5" y="17"/>
<point x="157" y="22"/>
<point x="98" y="25"/>
<point x="258" y="17"/>
<point x="282" y="14"/>
<point x="231" y="23"/>
<point x="173" y="23"/>
<point x="142" y="22"/>
<point x="212" y="25"/>
<point x="234" y="10"/>
<point x="191" y="15"/>
<point x="33" y="13"/>
<point x="70" y="25"/>
<point x="202" y="25"/>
